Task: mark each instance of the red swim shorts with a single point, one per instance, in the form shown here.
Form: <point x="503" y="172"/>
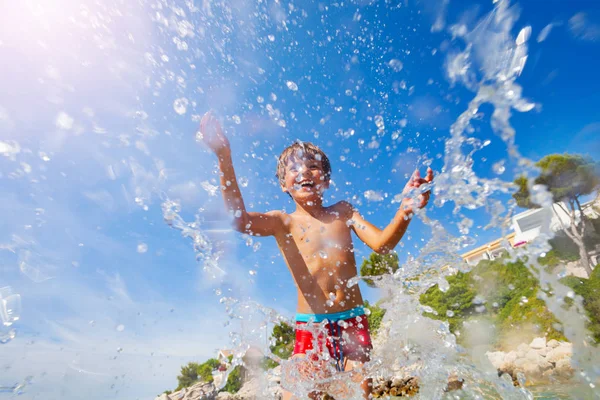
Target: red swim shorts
<point x="345" y="339"/>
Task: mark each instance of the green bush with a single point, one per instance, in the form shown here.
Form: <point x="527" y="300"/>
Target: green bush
<point x="234" y="380"/>
<point x="589" y="290"/>
<point x="509" y="295"/>
<point x="563" y="250"/>
<point x="378" y="264"/>
<point x="458" y="299"/>
<point x="375" y="317"/>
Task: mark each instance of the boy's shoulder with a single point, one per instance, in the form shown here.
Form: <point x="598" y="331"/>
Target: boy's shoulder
<point x="343" y="209"/>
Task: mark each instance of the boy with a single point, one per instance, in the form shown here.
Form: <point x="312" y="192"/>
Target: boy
<point x="316" y="243"/>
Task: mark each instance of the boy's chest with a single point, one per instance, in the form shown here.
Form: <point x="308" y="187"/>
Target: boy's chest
<point x="320" y="239"/>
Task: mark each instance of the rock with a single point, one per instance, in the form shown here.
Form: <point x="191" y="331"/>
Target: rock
<point x="496" y="358"/>
<point x="543" y="351"/>
<point x="199" y="391"/>
<point x="533" y="356"/>
<point x="565" y="350"/>
<point x="538" y="343"/>
<point x="510" y="357"/>
<point x="454" y="383"/>
<point x="553" y="343"/>
<point x="563" y="368"/>
<point x="396" y="387"/>
<point x="249" y="391"/>
<point x="225" y="396"/>
<point x="522" y="350"/>
<point x="531" y="369"/>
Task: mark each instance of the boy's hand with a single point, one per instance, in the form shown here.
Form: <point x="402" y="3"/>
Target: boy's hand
<point x="408" y="203"/>
<point x="211" y="134"/>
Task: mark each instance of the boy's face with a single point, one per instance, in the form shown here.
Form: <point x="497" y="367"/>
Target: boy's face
<point x="304" y="178"/>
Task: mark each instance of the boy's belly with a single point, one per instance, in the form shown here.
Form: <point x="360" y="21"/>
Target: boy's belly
<point x="329" y="292"/>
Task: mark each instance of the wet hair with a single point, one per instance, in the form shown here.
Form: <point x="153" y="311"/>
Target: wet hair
<point x="300" y="150"/>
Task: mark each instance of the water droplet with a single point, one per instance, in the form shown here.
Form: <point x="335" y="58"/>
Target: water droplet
<point x="236" y="119"/>
<point x="180" y="105"/>
<point x="243" y="181"/>
<point x="119" y="349"/>
<point x="64" y="121"/>
<point x="252" y="272"/>
<point x="323" y="254"/>
<point x="499" y="167"/>
<point x="120" y="328"/>
<point x="238" y="213"/>
<point x="260" y="99"/>
<point x="271" y="38"/>
<point x="142" y="248"/>
<point x="372" y="195"/>
<point x="256" y="246"/>
<point x="329" y="303"/>
<point x="396" y="65"/>
<point x="523" y="35"/>
<point x="292" y="86"/>
<point x="450" y="313"/>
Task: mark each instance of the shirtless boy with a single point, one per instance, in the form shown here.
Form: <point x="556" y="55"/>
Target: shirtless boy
<point x="316" y="243"/>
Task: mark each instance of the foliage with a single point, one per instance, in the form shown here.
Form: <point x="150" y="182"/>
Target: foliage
<point x="589" y="289"/>
<point x="234" y="380"/>
<point x="193" y="373"/>
<point x="283" y="337"/>
<point x="205" y="369"/>
<point x="188" y="375"/>
<point x="563" y="249"/>
<point x="378" y="264"/>
<point x="453" y="305"/>
<point x="374" y="317"/>
<point x="510" y="298"/>
<point x="567" y="177"/>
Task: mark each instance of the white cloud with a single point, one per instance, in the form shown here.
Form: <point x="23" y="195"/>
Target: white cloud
<point x="582" y="28"/>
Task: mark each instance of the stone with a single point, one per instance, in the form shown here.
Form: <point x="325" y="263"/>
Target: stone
<point x="538" y="343"/>
<point x="563" y="368"/>
<point x="496" y="358"/>
<point x="553" y="343"/>
<point x="531" y="370"/>
<point x="224" y="396"/>
<point x="533" y="356"/>
<point x="249" y="391"/>
<point x="559" y="353"/>
<point x="543" y="351"/>
<point x="510" y="357"/>
<point x="522" y="349"/>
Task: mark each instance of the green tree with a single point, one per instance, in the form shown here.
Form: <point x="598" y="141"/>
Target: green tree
<point x="284" y="336"/>
<point x="206" y="368"/>
<point x="589" y="290"/>
<point x="453" y="305"/>
<point x="375" y="317"/>
<point x="567" y="177"/>
<point x="379" y="264"/>
<point x="234" y="380"/>
<point x="188" y="375"/>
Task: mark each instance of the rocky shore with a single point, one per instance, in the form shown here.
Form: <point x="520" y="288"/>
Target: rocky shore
<point x="540" y="361"/>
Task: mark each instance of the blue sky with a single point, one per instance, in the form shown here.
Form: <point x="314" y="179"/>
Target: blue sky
<point x="93" y="144"/>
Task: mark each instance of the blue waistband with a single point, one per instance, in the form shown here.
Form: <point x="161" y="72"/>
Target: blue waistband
<point x="338" y="316"/>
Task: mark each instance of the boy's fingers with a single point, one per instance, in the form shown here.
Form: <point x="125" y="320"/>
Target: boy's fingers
<point x="429" y="177"/>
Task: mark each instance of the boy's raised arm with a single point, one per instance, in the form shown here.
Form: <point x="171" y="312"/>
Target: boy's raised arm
<point x="254" y="223"/>
<point x="384" y="241"/>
